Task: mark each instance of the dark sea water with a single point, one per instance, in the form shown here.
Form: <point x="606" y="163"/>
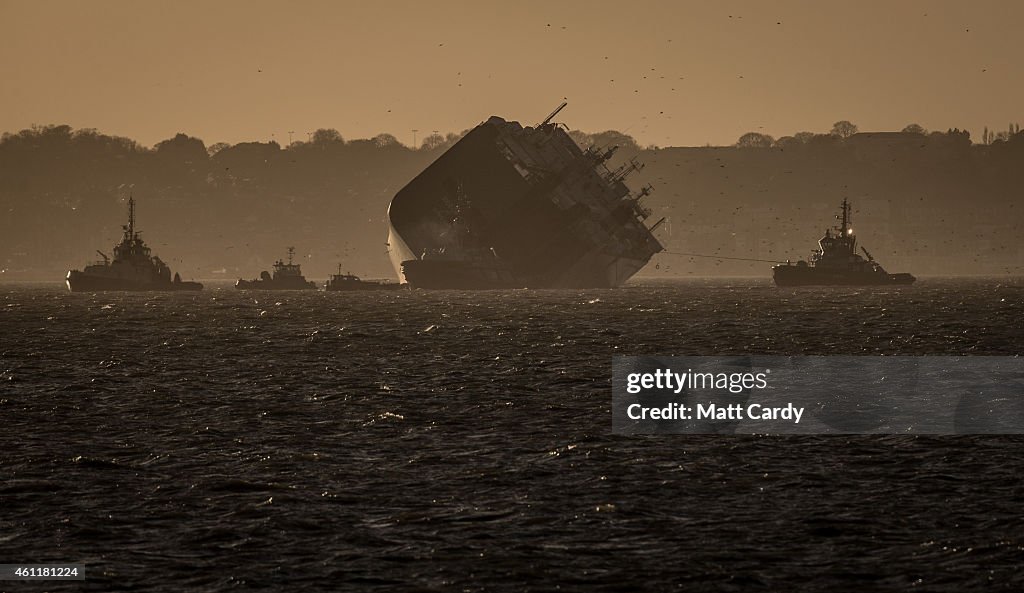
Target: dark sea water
<point x="461" y="441"/>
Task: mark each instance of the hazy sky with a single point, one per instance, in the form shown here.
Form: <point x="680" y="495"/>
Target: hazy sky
<point x="669" y="73"/>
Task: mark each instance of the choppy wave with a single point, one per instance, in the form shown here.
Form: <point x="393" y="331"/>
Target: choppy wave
<point x="462" y="441"/>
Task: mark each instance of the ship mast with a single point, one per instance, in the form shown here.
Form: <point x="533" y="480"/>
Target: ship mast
<point x="129" y="229"/>
<point x="847" y="219"/>
<point x="553" y="114"/>
<point x="131" y="216"/>
<point x="291" y="254"/>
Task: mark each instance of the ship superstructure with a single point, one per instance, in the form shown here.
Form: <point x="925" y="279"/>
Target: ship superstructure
<point x="133" y="267"/>
<point x="513" y="206"/>
<point x="836" y="261"/>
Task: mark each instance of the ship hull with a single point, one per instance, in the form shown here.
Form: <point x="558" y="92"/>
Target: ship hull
<point x="553" y="215"/>
<point x="398" y="250"/>
<point x="811" y="276"/>
<point x="594" y="271"/>
<point x="457" y="275"/>
<point x="80" y="282"/>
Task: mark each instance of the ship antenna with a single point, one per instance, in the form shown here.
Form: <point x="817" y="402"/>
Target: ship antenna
<point x="553" y="114"/>
<point x="291" y="253"/>
<point x="131" y="216"/>
<point x="846" y="218"/>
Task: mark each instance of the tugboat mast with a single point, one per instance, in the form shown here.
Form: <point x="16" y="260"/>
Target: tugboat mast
<point x="131" y="215"/>
<point x="129" y="230"/>
<point x="847" y="219"/>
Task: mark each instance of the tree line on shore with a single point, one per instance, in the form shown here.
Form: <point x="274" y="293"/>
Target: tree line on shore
<point x="233" y="208"/>
<point x="844" y="130"/>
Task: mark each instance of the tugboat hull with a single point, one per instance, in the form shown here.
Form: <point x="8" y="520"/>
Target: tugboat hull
<point x="274" y="285"/>
<point x="82" y="282"/>
<point x="349" y="283"/>
<point x="789" y="275"/>
<point x="364" y="287"/>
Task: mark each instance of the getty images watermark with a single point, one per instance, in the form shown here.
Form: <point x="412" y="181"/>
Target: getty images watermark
<point x="818" y="395"/>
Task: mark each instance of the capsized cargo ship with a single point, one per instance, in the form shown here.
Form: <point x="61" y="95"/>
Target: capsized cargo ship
<point x="134" y="267"/>
<point x="510" y="206"/>
<point x="837" y="263"/>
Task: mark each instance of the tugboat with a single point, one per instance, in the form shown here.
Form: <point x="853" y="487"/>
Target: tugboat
<point x="837" y="262"/>
<point x="134" y="267"/>
<point x="287" y="276"/>
<point x="348" y="282"/>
